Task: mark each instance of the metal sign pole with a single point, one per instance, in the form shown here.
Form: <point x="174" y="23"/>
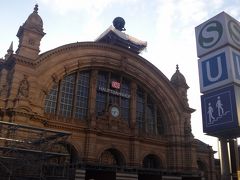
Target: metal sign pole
<point x="224" y="159"/>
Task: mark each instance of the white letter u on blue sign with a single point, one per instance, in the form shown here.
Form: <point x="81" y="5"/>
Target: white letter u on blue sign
<point x="214" y="69"/>
<point x="236" y="61"/>
<point x="219" y="73"/>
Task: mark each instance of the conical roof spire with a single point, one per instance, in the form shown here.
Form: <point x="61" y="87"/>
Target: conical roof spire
<point x="10" y="49"/>
<point x="36" y="8"/>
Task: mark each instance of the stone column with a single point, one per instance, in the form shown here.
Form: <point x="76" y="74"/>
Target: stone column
<point x="92" y="97"/>
<point x="133" y="106"/>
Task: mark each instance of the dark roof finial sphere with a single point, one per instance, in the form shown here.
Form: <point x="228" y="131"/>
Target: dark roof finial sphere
<point x="119" y="23"/>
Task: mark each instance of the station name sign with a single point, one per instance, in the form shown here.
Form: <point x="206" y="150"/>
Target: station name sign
<point x="107" y="90"/>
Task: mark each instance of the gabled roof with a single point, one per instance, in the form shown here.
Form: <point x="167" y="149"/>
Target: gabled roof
<point x="116" y="37"/>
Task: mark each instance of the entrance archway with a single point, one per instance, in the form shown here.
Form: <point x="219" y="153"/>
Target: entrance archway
<point x="109" y="161"/>
<point x="151" y="163"/>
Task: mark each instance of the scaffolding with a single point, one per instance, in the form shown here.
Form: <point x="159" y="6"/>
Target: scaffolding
<point x="28" y="152"/>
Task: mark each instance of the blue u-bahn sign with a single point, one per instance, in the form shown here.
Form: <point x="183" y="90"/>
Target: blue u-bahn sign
<point x="219" y="68"/>
<point x="219" y="111"/>
<point x="214" y="69"/>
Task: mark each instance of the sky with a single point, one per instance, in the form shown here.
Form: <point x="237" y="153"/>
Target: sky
<point x="168" y="26"/>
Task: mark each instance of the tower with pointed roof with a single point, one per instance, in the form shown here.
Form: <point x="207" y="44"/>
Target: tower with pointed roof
<point x="30" y="35"/>
<point x="9" y="51"/>
<point x="179" y="82"/>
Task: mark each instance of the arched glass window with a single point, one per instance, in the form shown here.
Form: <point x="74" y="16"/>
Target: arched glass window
<point x="148" y="118"/>
<point x="69" y="98"/>
<point x="113" y="89"/>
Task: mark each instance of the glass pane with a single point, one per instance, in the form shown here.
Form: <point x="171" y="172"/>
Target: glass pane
<point x="150" y="116"/>
<point x="51" y="100"/>
<point x="66" y="101"/>
<point x="101" y="98"/>
<point x="140" y="108"/>
<point x="125" y="102"/>
<point x="82" y="95"/>
<point x="160" y="125"/>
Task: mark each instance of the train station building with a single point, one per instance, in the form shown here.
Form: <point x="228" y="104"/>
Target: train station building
<point x="94" y="110"/>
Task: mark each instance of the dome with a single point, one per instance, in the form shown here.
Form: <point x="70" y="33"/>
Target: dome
<point x="178" y="80"/>
<point x="34" y="20"/>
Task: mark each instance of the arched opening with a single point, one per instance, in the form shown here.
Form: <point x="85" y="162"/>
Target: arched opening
<point x="109" y="160"/>
<point x="64" y="157"/>
<point x="153" y="164"/>
<point x="112" y="157"/>
<point x="152" y="161"/>
<point x="68" y="152"/>
<point x="203" y="168"/>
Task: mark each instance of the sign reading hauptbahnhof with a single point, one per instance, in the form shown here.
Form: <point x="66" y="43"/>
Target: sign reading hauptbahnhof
<point x="218" y="44"/>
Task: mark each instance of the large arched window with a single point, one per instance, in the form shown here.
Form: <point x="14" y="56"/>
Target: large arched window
<point x="69" y="98"/>
<point x="113" y="89"/>
<point x="148" y="116"/>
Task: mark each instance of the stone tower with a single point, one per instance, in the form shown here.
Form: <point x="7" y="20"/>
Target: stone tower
<point x="179" y="82"/>
<point x="30" y="35"/>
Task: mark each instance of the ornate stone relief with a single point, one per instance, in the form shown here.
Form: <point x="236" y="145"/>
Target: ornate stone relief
<point x="4" y="90"/>
<point x="55" y="78"/>
<point x="23" y="90"/>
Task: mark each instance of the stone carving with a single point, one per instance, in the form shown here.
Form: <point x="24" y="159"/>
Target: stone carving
<point x="4" y="90"/>
<point x="23" y="90"/>
<point x="187" y="128"/>
<point x="54" y="78"/>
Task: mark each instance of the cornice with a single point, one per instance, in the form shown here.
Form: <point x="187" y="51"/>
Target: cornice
<point x="23" y="60"/>
<point x="68" y="47"/>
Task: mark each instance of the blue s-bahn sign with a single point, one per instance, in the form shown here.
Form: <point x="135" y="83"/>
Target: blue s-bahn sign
<point x="219" y="31"/>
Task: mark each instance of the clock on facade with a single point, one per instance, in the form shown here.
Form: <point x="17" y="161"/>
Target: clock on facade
<point x="114" y="111"/>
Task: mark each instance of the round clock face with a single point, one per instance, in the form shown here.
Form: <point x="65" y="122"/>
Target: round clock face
<point x="114" y="111"/>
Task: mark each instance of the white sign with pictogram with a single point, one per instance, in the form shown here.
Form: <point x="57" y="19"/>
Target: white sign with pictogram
<point x="217" y="32"/>
<point x="219" y="111"/>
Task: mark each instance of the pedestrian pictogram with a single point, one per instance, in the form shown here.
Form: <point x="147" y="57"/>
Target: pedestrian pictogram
<point x="219" y="109"/>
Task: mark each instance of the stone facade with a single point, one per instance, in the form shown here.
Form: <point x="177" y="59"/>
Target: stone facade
<point x="27" y="78"/>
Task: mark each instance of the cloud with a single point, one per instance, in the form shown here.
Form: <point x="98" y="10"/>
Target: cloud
<point x="91" y="7"/>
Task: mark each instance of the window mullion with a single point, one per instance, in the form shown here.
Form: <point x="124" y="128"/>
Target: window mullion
<point x="74" y="95"/>
<point x="108" y="96"/>
<point x="145" y="113"/>
<point x="59" y="96"/>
